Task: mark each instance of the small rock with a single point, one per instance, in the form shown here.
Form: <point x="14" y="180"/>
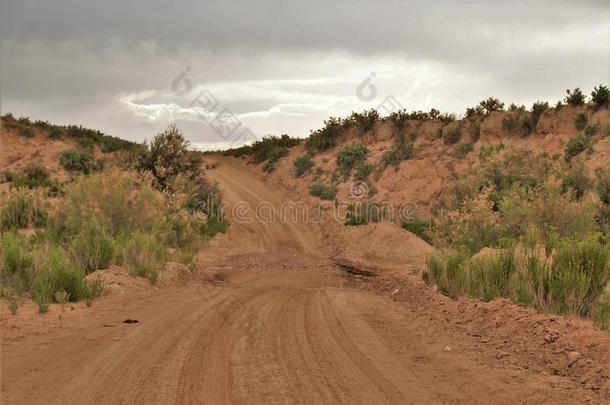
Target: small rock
<point x="502" y="354"/>
<point x="573" y="357"/>
<point x="447" y="349"/>
<point x="485" y="340"/>
<point x="550" y="338"/>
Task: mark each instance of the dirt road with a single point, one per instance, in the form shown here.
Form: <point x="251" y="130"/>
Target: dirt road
<point x="287" y="327"/>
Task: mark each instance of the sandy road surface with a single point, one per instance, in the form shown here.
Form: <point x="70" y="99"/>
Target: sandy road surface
<point x="287" y="327"/>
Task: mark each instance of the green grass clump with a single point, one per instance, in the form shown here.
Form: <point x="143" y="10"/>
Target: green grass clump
<point x="538" y="109"/>
<point x="475" y="131"/>
<point x="575" y="97"/>
<point x="144" y="255"/>
<point x="420" y="228"/>
<point x="592" y="130"/>
<point x="570" y="282"/>
<point x="26" y="132"/>
<point x="400" y="151"/>
<point x="77" y="160"/>
<point x="577" y="181"/>
<point x="92" y="247"/>
<point x="600" y="96"/>
<point x="350" y="157"/>
<point x="462" y="149"/>
<point x="33" y="175"/>
<point x="21" y="209"/>
<point x="519" y="123"/>
<point x="580" y="122"/>
<point x="325" y="192"/>
<point x="57" y="276"/>
<point x="601" y="313"/>
<point x="366" y="212"/>
<point x="326" y="137"/>
<point x="453" y="136"/>
<point x="16" y="261"/>
<point x="303" y="164"/>
<point x="576" y="146"/>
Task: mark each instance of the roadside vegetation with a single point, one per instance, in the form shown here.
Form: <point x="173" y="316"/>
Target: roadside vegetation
<point x="270" y="150"/>
<point x="85" y="137"/>
<point x="546" y="222"/>
<point x="152" y="207"/>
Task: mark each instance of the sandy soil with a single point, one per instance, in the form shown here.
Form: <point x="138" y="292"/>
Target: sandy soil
<point x="267" y="316"/>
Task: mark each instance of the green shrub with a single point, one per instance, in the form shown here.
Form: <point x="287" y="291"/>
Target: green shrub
<point x="269" y="166"/>
<point x="571" y="282"/>
<point x="168" y="156"/>
<point x="303" y="164"/>
<point x="21" y="209"/>
<point x="489" y="277"/>
<point x="144" y="256"/>
<point x="580" y="273"/>
<point x="275" y="155"/>
<point x="325" y="192"/>
<point x="575" y="97"/>
<point x="603" y="185"/>
<point x="325" y="137"/>
<point x="601" y="313"/>
<point x="475" y="131"/>
<point x="55" y="132"/>
<point x="57" y="274"/>
<point x="86" y="143"/>
<point x="365" y="212"/>
<point x="363" y="170"/>
<point x="365" y="120"/>
<point x="447" y="118"/>
<point x="592" y="130"/>
<point x="26" y="132"/>
<point x="420" y="228"/>
<point x="398" y="118"/>
<point x="490" y="105"/>
<point x="516" y="108"/>
<point x="351" y="156"/>
<point x="77" y="160"/>
<point x="92" y="248"/>
<point x="34" y="175"/>
<point x="600" y="96"/>
<point x="399" y="151"/>
<point x="13" y="304"/>
<point x="453" y="136"/>
<point x="576" y="145"/>
<point x="462" y="150"/>
<point x="521" y="124"/>
<point x="16" y="261"/>
<point x="577" y="181"/>
<point x="538" y="109"/>
<point x="580" y="122"/>
<point x="270" y="147"/>
<point x="446" y="272"/>
<point x="119" y="201"/>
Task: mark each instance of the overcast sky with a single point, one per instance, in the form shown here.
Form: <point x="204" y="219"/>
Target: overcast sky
<point x="218" y="68"/>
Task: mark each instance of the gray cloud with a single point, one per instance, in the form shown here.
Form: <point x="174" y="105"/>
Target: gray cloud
<point x="283" y="66"/>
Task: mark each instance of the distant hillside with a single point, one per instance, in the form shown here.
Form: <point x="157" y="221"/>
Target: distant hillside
<point x="24" y="141"/>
